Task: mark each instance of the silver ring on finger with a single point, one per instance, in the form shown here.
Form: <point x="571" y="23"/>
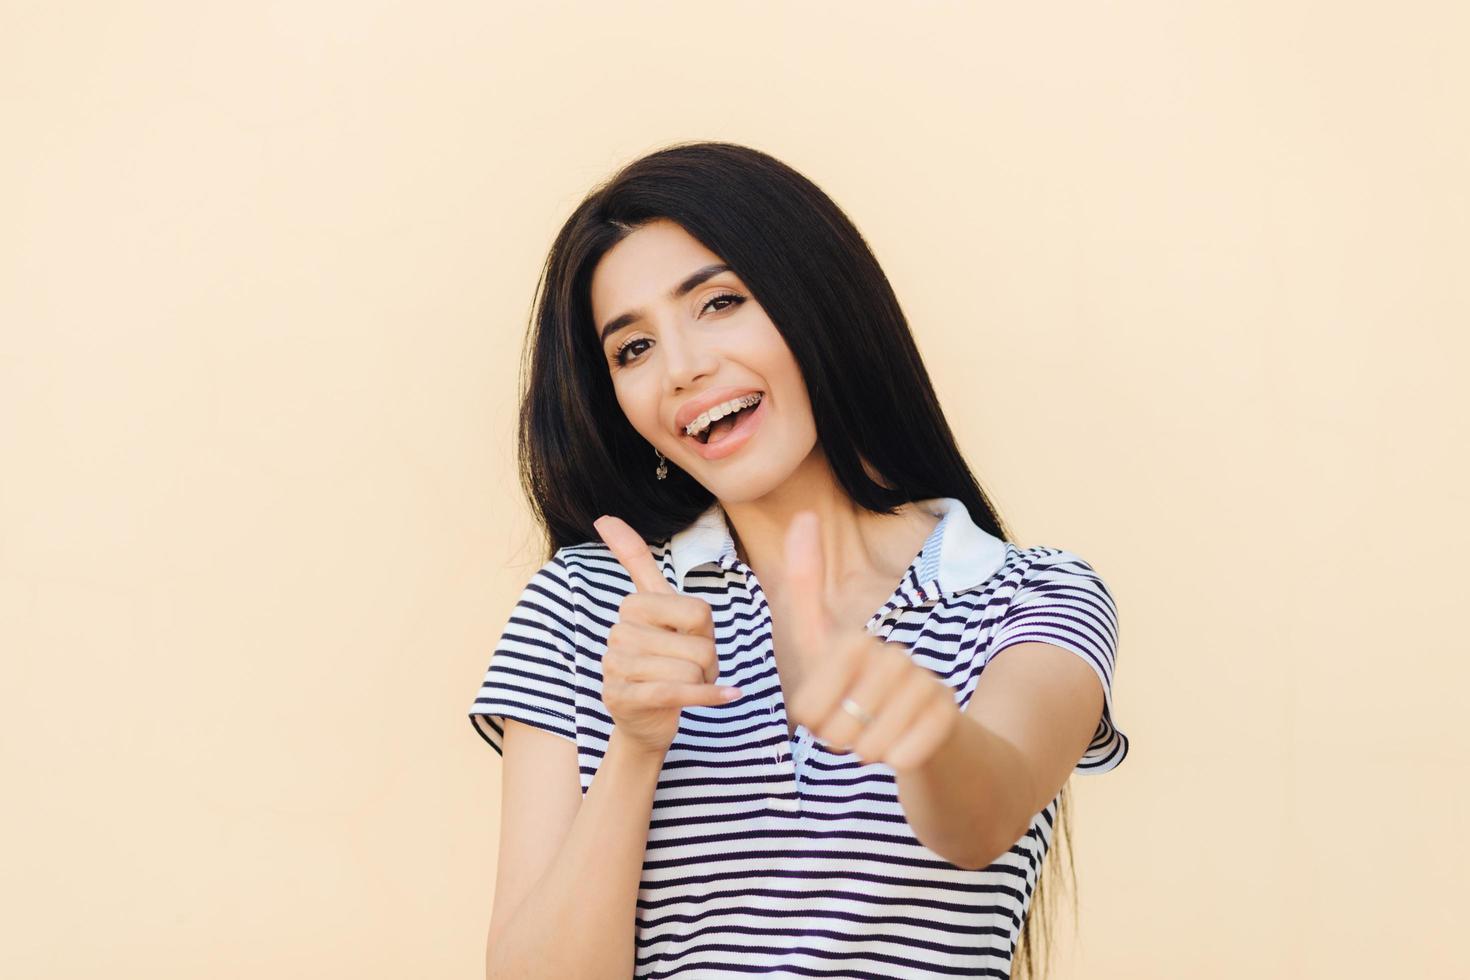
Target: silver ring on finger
<point x="854" y="709"/>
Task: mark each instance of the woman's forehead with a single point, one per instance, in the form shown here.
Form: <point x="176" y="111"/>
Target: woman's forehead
<point x="643" y="270"/>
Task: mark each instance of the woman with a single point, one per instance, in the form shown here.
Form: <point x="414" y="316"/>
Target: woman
<point x="752" y="710"/>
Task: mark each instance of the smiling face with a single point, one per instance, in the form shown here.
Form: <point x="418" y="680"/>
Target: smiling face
<point x="679" y="334"/>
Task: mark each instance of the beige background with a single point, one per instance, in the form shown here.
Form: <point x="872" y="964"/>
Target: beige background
<point x="1190" y="279"/>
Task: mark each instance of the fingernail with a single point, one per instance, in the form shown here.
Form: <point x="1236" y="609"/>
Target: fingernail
<point x="730" y="693"/>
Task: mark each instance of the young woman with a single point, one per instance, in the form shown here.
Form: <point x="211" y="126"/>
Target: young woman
<point x="753" y="709"/>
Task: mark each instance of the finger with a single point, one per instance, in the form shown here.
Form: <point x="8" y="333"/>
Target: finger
<point x="924" y="737"/>
<point x="631" y="551"/>
<point x="640" y="652"/>
<point x="637" y="667"/>
<point x="805" y="584"/>
<point x="674" y="611"/>
<point x="821" y="692"/>
<point x="903" y="710"/>
<point x="672" y="694"/>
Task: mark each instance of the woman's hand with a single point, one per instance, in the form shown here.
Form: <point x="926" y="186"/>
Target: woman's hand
<point x="913" y="711"/>
<point x="661" y="651"/>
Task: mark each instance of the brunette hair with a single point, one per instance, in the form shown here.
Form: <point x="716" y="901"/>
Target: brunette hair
<point x="816" y="278"/>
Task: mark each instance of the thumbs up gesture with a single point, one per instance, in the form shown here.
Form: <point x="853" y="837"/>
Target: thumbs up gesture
<point x="858" y="693"/>
<point x="660" y="653"/>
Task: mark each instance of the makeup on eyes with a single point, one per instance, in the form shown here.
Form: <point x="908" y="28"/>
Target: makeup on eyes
<point x="737" y="299"/>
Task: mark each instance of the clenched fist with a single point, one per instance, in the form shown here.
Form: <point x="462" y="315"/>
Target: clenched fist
<point x="913" y="711"/>
<point x="660" y="653"/>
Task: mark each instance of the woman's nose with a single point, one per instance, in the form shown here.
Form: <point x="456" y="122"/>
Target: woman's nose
<point x="685" y="360"/>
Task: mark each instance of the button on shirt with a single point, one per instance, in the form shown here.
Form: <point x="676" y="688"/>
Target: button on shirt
<point x="768" y="852"/>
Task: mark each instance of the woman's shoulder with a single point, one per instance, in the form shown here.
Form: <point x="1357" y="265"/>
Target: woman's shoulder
<point x="1041" y="557"/>
<point x="1047" y="572"/>
<point x="592" y="565"/>
<point x="1024" y="568"/>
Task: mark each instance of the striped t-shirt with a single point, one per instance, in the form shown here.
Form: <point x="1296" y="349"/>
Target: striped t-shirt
<point x="768" y="853"/>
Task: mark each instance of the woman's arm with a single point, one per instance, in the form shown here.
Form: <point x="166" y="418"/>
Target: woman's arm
<point x="1032" y="715"/>
<point x="579" y="919"/>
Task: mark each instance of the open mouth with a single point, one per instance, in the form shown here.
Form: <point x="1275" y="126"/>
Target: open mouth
<point x="721" y="428"/>
<point x="727" y="434"/>
<point x="716" y="431"/>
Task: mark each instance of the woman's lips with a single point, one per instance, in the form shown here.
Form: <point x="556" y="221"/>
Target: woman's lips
<point x="745" y="425"/>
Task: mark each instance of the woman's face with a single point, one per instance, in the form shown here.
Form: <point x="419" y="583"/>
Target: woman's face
<point x="672" y="355"/>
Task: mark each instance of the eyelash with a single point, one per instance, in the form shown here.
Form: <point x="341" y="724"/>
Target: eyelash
<point x="618" y="354"/>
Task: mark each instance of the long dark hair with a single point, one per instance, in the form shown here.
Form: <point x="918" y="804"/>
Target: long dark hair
<point x="819" y="282"/>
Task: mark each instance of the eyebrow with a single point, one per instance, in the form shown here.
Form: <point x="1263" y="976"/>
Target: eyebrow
<point x="699" y="276"/>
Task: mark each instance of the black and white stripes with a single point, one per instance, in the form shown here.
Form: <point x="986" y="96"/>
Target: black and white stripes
<point x="768" y="853"/>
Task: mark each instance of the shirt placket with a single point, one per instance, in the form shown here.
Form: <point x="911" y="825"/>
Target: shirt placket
<point x="788" y="751"/>
<point x="791" y="752"/>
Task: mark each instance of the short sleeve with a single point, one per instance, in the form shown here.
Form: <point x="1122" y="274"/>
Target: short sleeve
<point x="1064" y="602"/>
<point x="531" y="673"/>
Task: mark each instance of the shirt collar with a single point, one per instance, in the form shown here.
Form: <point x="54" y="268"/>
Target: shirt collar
<point x="957" y="555"/>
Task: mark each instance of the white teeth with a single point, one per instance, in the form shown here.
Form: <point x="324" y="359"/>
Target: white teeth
<point x="720" y="411"/>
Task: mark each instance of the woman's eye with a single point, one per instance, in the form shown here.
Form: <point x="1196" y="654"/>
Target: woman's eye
<point x="735" y="300"/>
<point x="618" y="356"/>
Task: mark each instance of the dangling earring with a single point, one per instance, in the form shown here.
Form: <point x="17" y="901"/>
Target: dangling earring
<point x="663" y="466"/>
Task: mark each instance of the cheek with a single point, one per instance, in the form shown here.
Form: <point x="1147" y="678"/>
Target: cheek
<point x="766" y="353"/>
<point x="640" y="409"/>
<point x="785" y="373"/>
<point x="797" y="400"/>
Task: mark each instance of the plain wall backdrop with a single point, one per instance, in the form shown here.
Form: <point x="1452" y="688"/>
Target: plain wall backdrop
<point x="1190" y="280"/>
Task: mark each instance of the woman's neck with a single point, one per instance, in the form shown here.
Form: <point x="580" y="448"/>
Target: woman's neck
<point x="859" y="546"/>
